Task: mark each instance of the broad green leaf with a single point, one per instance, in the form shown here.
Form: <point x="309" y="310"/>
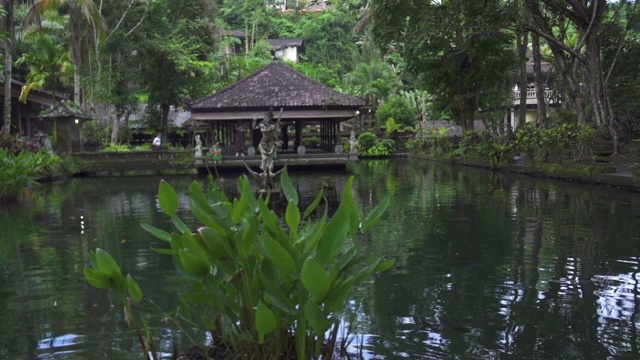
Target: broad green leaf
<point x="160" y="234"/>
<point x="265" y="321"/>
<point x="375" y="215"/>
<point x="269" y="217"/>
<point x="203" y="215"/>
<point x="167" y="198"/>
<point x="181" y="226"/>
<point x="250" y="233"/>
<point x="164" y="251"/>
<point x="134" y="289"/>
<point x="92" y="260"/>
<point x="217" y="245"/>
<point x="315" y="317"/>
<point x="314" y="204"/>
<point x="176" y="243"/>
<point x="278" y="255"/>
<point x="345" y="259"/>
<point x="333" y="237"/>
<point x="350" y="207"/>
<point x="292" y="216"/>
<point x="385" y="265"/>
<point x="280" y="302"/>
<point x="287" y="187"/>
<point x="199" y="199"/>
<point x="194" y="264"/>
<point x="117" y="282"/>
<point x="337" y="297"/>
<point x="106" y="263"/>
<point x="245" y="188"/>
<point x="240" y="207"/>
<point x="315" y="279"/>
<point x="314" y="237"/>
<point x="96" y="278"/>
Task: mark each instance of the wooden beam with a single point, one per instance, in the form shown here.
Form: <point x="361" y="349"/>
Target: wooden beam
<point x="287" y="114"/>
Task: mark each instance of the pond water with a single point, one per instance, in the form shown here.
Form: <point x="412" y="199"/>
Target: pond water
<point x="488" y="266"/>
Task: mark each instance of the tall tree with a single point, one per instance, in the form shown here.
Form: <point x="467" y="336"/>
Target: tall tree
<point x="117" y="76"/>
<point x="8" y="60"/>
<point x="459" y="50"/>
<point x="85" y="25"/>
<point x="578" y="63"/>
<point x="174" y="53"/>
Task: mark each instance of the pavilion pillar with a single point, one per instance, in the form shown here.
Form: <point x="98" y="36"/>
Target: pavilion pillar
<point x="298" y="138"/>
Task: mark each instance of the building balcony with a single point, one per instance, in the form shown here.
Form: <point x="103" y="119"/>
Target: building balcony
<point x="532" y="99"/>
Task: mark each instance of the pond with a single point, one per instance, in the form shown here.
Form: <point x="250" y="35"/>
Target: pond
<point x="488" y="266"/>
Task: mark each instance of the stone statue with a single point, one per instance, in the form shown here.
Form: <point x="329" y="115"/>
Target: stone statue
<point x="269" y="141"/>
<point x="352" y="142"/>
<point x="198" y="147"/>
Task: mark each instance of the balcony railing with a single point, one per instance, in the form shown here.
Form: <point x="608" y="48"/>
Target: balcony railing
<point x="549" y="96"/>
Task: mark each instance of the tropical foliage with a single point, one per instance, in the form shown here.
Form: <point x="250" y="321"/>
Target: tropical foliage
<point x="261" y="282"/>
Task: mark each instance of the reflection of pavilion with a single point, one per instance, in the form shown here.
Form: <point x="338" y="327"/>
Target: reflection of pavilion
<point x="305" y="102"/>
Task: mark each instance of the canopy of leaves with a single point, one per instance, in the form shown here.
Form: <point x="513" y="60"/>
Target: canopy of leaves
<point x="459" y="50"/>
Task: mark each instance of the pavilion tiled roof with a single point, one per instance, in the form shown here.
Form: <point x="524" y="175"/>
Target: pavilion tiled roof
<point x="278" y="44"/>
<point x="276" y="85"/>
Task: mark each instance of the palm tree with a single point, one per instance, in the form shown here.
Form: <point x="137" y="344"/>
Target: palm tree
<point x="374" y="81"/>
<point x="85" y="25"/>
<point x="48" y="64"/>
<point x="8" y="61"/>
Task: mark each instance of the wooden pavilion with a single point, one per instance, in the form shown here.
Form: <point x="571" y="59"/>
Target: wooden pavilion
<point x="303" y="100"/>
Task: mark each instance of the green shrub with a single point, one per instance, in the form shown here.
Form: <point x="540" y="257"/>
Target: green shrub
<point x="116" y="148"/>
<point x="397" y="108"/>
<point x="392" y="127"/>
<point x="264" y="285"/>
<point x="311" y="142"/>
<point x="366" y="141"/>
<point x="19" y="170"/>
<point x="143" y="147"/>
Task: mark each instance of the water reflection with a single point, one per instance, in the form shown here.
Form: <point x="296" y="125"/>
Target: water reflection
<point x="488" y="266"/>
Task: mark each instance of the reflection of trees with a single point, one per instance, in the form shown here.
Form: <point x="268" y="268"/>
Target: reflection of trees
<point x="441" y="227"/>
<point x="494" y="264"/>
<point x="486" y="264"/>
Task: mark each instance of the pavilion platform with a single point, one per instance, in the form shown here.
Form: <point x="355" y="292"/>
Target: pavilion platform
<point x="311" y="160"/>
<point x="184" y="161"/>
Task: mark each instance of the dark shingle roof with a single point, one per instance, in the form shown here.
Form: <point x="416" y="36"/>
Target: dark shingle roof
<point x="278" y="44"/>
<point x="66" y="109"/>
<point x="276" y="85"/>
<point x="235" y="33"/>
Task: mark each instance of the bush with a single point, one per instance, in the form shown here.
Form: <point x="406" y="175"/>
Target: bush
<point x="366" y="141"/>
<point x="311" y="142"/>
<point x="116" y="148"/>
<point x="261" y="285"/>
<point x="17" y="144"/>
<point x="397" y="108"/>
<point x="19" y="170"/>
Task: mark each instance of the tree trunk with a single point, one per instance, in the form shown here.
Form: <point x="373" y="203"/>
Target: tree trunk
<point x="8" y="63"/>
<point x="75" y="42"/>
<point x="540" y="86"/>
<point x="523" y="39"/>
<point x="165" y="120"/>
<point x="115" y="129"/>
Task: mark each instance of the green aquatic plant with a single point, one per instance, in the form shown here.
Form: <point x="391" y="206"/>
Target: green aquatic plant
<point x="263" y="283"/>
<point x="20" y="170"/>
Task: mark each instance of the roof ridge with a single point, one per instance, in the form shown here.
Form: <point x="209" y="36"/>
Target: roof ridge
<point x="277" y="84"/>
<point x="237" y="83"/>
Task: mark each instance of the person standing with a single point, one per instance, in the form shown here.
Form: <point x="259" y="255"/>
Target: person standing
<point x="239" y="139"/>
<point x="157" y="141"/>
